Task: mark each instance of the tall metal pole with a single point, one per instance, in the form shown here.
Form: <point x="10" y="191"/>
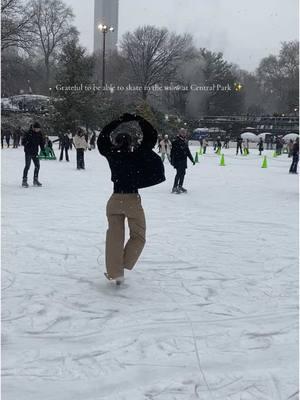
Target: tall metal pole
<point x="103" y="64"/>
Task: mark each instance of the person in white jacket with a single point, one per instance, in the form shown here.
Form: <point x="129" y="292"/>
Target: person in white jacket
<point x="80" y="145"/>
<point x="165" y="148"/>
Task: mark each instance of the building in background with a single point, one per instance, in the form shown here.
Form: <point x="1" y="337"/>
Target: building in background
<point x="107" y="13"/>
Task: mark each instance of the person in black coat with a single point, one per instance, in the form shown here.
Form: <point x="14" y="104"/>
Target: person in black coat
<point x="226" y="142"/>
<point x="295" y="154"/>
<point x="32" y="140"/>
<point x="219" y="145"/>
<point x="278" y="145"/>
<point x="65" y="145"/>
<point x="130" y="171"/>
<point x="8" y="136"/>
<point x="19" y="135"/>
<point x="239" y="143"/>
<point x="180" y="152"/>
<point x="2" y="138"/>
<point x="14" y="136"/>
<point x="260" y="145"/>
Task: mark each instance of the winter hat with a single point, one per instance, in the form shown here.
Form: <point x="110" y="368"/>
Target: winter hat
<point x="36" y="125"/>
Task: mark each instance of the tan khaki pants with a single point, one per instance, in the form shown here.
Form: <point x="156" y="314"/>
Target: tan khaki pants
<point x="119" y="207"/>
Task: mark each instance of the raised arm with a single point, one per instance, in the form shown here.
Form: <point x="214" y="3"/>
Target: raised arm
<point x="189" y="154"/>
<point x="104" y="143"/>
<point x="149" y="133"/>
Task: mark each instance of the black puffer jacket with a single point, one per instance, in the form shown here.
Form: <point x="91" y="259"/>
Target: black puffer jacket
<point x="65" y="141"/>
<point x="180" y="152"/>
<point x="295" y="150"/>
<point x="31" y="142"/>
<point x="132" y="170"/>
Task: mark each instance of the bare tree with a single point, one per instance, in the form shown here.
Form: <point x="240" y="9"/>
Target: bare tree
<point x="154" y="55"/>
<point x="279" y="77"/>
<point x="51" y="27"/>
<point x="15" y="25"/>
<point x="289" y="59"/>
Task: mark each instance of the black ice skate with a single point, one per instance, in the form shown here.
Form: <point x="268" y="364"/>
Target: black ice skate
<point x="25" y="184"/>
<point x="36" y="183"/>
<point x="176" y="190"/>
<point x="182" y="189"/>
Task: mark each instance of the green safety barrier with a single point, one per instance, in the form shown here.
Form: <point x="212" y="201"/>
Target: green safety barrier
<point x="47" y="154"/>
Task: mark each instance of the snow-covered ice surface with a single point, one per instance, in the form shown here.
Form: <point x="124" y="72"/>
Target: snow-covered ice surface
<point x="210" y="312"/>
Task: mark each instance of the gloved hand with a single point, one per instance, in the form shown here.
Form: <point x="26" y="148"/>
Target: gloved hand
<point x="127" y="117"/>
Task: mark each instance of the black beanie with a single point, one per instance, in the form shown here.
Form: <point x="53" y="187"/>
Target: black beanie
<point x="36" y="125"/>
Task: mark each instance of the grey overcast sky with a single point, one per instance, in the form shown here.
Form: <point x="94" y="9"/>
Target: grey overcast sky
<point x="244" y="30"/>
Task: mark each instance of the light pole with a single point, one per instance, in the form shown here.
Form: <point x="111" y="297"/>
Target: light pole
<point x="104" y="29"/>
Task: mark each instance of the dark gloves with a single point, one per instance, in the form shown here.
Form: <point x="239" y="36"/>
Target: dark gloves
<point x="128" y="117"/>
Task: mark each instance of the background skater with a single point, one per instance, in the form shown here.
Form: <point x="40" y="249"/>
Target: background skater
<point x="295" y="154"/>
<point x="239" y="143"/>
<point x="80" y="145"/>
<point x="180" y="152"/>
<point x="165" y="148"/>
<point x="32" y="140"/>
<point x="65" y="145"/>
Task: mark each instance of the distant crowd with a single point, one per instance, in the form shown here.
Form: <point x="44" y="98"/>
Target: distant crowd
<point x="164" y="145"/>
<point x="83" y="141"/>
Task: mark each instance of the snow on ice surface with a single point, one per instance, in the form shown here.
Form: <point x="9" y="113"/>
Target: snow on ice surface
<point x="210" y="311"/>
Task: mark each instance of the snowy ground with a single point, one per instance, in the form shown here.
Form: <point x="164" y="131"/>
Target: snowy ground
<point x="209" y="313"/>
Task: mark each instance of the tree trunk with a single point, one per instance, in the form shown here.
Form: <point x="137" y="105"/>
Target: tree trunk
<point x="47" y="65"/>
<point x="144" y="94"/>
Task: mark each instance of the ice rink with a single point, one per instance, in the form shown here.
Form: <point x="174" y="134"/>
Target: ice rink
<point x="210" y="312"/>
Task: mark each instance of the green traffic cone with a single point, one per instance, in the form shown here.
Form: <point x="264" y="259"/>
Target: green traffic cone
<point x="265" y="163"/>
<point x="196" y="157"/>
<point x="200" y="151"/>
<point x="222" y="162"/>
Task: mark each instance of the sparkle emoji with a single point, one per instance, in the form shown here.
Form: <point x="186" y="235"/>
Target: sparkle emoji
<point x="238" y="87"/>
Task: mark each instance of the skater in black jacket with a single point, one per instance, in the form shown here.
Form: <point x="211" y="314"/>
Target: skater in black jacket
<point x="239" y="143"/>
<point x="260" y="145"/>
<point x="295" y="154"/>
<point x="130" y="171"/>
<point x="65" y="145"/>
<point x="180" y="152"/>
<point x="32" y="140"/>
<point x="8" y="136"/>
<point x="218" y="146"/>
